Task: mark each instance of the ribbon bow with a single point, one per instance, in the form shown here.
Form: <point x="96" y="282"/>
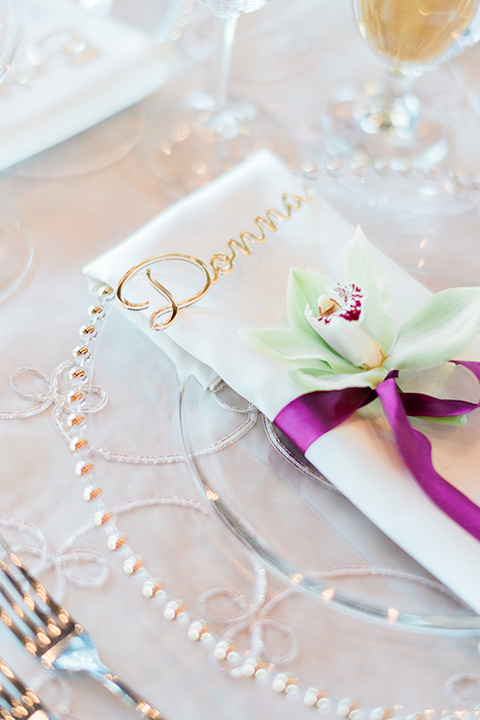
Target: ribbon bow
<point x="310" y="416"/>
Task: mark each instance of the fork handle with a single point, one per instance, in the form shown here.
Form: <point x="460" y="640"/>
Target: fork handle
<point x="116" y="686"/>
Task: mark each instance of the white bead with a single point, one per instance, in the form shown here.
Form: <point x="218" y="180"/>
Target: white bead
<point x="207" y="639"/>
<point x="377" y="713"/>
<point x="261" y="674"/>
<point x="324" y="705"/>
<point x="248" y="669"/>
<point x="194" y="631"/>
<point x="128" y="565"/>
<point x="280" y="682"/>
<point x="173" y="611"/>
<point x="221" y="649"/>
<point x="182" y="619"/>
<point x="112" y="541"/>
<point x="357" y="715"/>
<point x="346" y="707"/>
<point x="74" y="442"/>
<point x="83" y="468"/>
<point x="169" y="613"/>
<point x="149" y="585"/>
<point x="147" y="589"/>
<point x="310" y="697"/>
<point x="233" y="657"/>
<point x="87" y="492"/>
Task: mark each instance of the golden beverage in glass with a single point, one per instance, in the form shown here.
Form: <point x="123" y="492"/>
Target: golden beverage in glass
<point x="414" y="32"/>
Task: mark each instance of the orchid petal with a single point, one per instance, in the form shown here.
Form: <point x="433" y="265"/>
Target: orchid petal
<point x="349" y="339"/>
<point x="290" y="344"/>
<point x="438" y="330"/>
<point x="321" y="380"/>
<point x="363" y="268"/>
<point x="304" y="288"/>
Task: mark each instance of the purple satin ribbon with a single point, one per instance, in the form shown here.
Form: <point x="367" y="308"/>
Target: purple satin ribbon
<point x="310" y="416"/>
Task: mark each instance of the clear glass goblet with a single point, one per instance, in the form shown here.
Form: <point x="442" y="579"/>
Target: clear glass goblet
<point x="410" y="36"/>
<point x="15" y="247"/>
<point x="203" y="135"/>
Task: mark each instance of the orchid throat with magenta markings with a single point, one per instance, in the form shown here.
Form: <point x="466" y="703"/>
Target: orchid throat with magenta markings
<point x="220" y="263"/>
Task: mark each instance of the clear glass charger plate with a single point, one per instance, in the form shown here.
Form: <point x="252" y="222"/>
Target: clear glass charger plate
<point x="373" y="629"/>
<point x="371" y="624"/>
<point x="296" y="521"/>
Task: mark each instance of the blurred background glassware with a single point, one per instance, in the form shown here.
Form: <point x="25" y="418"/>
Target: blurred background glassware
<point x="394" y="122"/>
<point x="202" y="135"/>
<point x="15" y="247"/>
<point x="97" y="147"/>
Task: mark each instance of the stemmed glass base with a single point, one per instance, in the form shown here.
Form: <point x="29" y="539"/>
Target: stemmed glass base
<point x="193" y="142"/>
<point x="16" y="252"/>
<point x="189" y="145"/>
<point x="397" y="128"/>
<point x="391" y="133"/>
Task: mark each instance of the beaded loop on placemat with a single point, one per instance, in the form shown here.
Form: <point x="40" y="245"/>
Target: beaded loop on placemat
<point x="224" y="649"/>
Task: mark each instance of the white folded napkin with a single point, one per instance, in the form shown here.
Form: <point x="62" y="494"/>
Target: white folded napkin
<point x="64" y="99"/>
<point x="358" y="456"/>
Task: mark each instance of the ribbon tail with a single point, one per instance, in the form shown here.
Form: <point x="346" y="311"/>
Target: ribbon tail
<point x="416" y="452"/>
<point x="419" y="404"/>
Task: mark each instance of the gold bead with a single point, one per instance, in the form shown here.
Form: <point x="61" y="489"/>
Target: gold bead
<point x="88" y="331"/>
<point x="78" y="444"/>
<point x="151" y="587"/>
<point x="106" y="292"/>
<point x="285" y="683"/>
<point x="75" y="420"/>
<point x="81" y="351"/>
<point x="173" y="609"/>
<point x="131" y="565"/>
<point x="90" y="493"/>
<point x="83" y="468"/>
<point x="115" y="542"/>
<point x="96" y="311"/>
<point x="77" y="373"/>
<point x="75" y="396"/>
<point x="101" y="519"/>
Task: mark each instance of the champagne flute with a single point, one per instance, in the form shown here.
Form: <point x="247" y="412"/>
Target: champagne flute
<point x="203" y="135"/>
<point x="411" y="36"/>
<point x="15" y="247"/>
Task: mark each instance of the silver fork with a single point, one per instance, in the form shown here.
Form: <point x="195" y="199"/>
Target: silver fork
<point x="16" y="700"/>
<point x="49" y="633"/>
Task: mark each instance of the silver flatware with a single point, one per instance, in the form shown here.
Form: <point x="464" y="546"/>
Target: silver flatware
<point x="48" y="632"/>
<point x="17" y="700"/>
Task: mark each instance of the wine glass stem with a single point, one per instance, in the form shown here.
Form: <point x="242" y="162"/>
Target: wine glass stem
<point x="226" y="29"/>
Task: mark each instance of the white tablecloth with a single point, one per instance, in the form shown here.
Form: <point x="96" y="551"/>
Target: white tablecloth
<point x="71" y="220"/>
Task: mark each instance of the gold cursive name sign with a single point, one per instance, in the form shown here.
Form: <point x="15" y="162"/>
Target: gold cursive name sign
<point x="221" y="263"/>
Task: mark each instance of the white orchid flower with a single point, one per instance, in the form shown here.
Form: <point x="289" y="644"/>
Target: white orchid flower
<point x="342" y="334"/>
<point x="339" y="322"/>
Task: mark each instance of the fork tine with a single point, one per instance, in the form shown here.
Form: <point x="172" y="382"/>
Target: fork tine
<point x="10" y="598"/>
<point x="60" y="643"/>
<point x="17" y="620"/>
<point x="28" y="641"/>
<point x="45" y="625"/>
<point x="16" y="700"/>
<point x="38" y="590"/>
